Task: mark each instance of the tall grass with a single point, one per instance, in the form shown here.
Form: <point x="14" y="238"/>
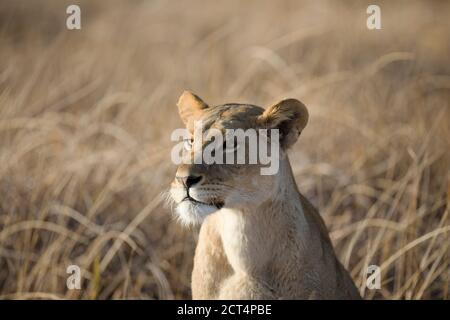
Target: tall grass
<point x="86" y="117"/>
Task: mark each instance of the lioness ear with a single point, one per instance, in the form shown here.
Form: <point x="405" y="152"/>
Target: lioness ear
<point x="190" y="107"/>
<point x="290" y="116"/>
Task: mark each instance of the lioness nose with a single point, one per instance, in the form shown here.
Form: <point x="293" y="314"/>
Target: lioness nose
<point x="189" y="181"/>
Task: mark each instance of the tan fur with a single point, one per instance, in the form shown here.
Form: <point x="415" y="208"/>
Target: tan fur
<point x="268" y="241"/>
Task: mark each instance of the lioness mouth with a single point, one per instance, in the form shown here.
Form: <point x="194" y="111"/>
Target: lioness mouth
<point x="218" y="205"/>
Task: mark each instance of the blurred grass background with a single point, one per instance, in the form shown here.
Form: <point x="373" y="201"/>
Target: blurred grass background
<point x="86" y="117"/>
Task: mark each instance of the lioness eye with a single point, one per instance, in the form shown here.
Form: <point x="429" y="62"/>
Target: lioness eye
<point x="188" y="144"/>
<point x="230" y="146"/>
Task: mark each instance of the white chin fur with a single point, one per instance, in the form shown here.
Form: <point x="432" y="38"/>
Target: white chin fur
<point x="193" y="213"/>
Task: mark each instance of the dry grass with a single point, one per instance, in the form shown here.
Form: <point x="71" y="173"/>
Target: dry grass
<point x="85" y="118"/>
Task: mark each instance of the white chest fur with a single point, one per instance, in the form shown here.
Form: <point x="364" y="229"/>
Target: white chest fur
<point x="246" y="245"/>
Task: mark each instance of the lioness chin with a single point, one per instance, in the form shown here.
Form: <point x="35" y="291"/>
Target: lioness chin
<point x="259" y="238"/>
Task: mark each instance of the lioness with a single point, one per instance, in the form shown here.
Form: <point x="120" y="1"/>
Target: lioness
<point x="260" y="238"/>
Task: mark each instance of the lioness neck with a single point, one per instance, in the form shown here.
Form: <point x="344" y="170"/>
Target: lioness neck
<point x="253" y="238"/>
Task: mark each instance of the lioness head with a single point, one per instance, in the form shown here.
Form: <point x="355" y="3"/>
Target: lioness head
<point x="200" y="189"/>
